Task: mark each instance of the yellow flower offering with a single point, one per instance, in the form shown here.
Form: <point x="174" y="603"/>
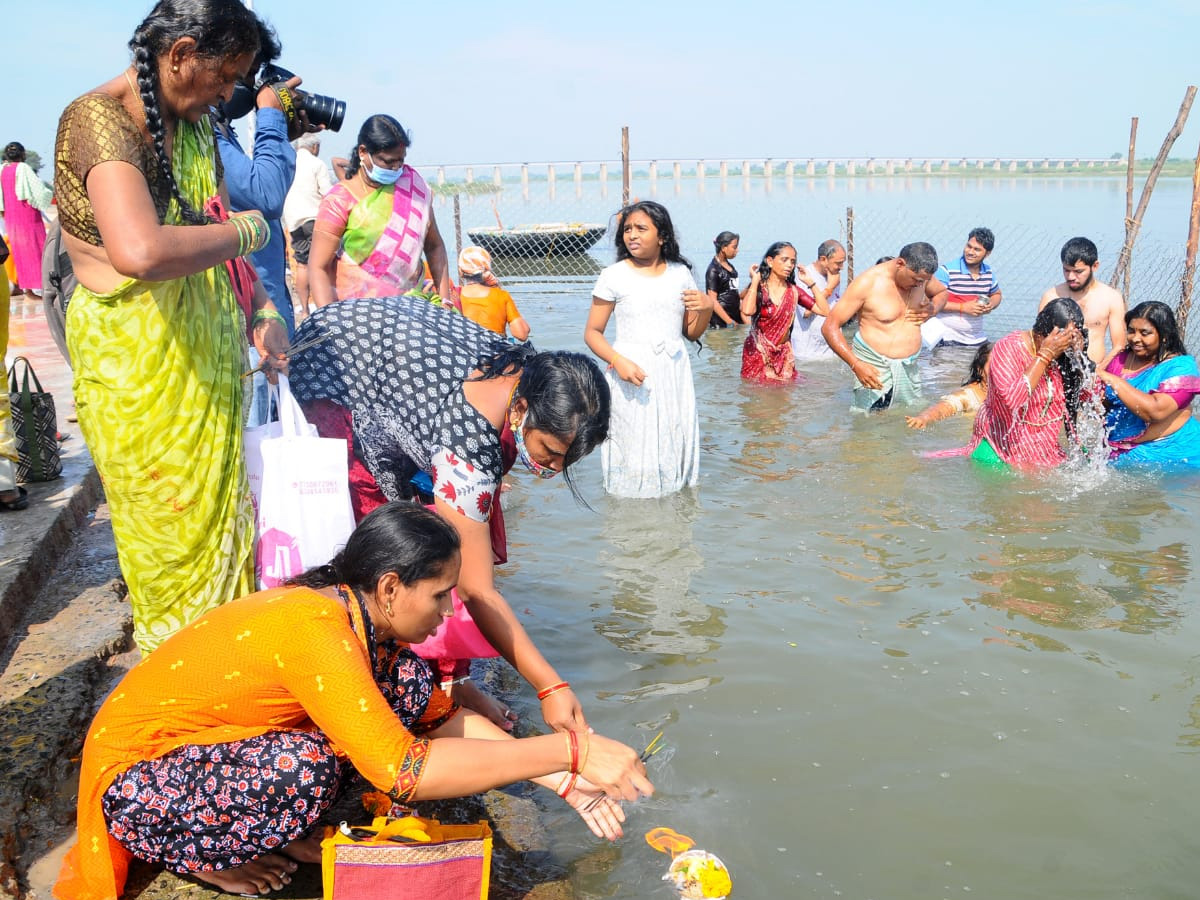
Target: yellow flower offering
<point x="699" y="875"/>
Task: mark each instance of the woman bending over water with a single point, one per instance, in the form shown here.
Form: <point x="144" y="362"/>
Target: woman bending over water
<point x="1149" y="386"/>
<point x="416" y="388"/>
<point x="218" y="754"/>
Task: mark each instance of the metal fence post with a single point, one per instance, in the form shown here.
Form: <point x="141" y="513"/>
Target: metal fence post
<point x="849" y="244"/>
<point x="625" y="166"/>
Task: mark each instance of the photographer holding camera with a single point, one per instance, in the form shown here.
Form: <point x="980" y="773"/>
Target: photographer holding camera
<point x="261" y="181"/>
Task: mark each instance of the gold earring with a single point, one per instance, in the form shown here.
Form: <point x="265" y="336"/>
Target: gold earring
<point x="389" y="608"/>
<point x="174" y="68"/>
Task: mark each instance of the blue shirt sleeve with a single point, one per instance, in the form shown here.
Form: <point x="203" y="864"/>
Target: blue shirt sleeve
<point x="260" y="182"/>
<point x="943" y="275"/>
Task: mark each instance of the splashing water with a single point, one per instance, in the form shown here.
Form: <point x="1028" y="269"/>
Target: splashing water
<point x="1087" y="453"/>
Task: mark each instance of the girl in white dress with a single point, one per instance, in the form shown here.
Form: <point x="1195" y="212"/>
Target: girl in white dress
<point x="653" y="445"/>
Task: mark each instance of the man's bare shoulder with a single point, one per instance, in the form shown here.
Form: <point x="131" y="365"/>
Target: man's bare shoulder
<point x="869" y="280"/>
<point x="1107" y="296"/>
<point x="1059" y="290"/>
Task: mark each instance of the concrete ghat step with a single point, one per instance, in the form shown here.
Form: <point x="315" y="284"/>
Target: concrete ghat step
<point x="55" y="671"/>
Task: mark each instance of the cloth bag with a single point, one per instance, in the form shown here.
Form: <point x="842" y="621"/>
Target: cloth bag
<point x="410" y="858"/>
<point x="34" y="425"/>
<point x="300" y="485"/>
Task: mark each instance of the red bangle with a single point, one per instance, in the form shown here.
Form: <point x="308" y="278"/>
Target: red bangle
<point x="570" y="785"/>
<point x="554" y="688"/>
<point x="573" y="739"/>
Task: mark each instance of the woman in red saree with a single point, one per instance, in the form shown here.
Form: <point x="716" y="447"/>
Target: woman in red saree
<point x="770" y="307"/>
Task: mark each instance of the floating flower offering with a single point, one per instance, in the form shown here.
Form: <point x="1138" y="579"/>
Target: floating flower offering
<point x="699" y="875"/>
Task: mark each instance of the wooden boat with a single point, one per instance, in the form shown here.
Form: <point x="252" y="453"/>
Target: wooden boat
<point x="547" y="239"/>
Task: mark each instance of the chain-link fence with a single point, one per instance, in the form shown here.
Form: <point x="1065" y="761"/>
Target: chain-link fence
<point x="549" y="225"/>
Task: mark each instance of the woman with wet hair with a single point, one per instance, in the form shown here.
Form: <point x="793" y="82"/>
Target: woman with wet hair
<point x="770" y="307"/>
<point x="217" y="756"/>
<point x="438" y="408"/>
<point x="1033" y="386"/>
<point x="721" y="282"/>
<point x="1149" y="387"/>
<point x="156" y="336"/>
<point x="374" y="226"/>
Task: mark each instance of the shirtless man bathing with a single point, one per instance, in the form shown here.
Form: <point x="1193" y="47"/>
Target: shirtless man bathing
<point x="1103" y="307"/>
<point x="891" y="301"/>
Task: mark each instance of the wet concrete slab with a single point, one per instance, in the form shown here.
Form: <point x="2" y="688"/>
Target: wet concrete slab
<point x="33" y="538"/>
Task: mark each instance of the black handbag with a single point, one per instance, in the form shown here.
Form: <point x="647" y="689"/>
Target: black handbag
<point x="35" y="426"/>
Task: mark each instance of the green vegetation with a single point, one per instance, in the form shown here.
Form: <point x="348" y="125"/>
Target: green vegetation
<point x="471" y="188"/>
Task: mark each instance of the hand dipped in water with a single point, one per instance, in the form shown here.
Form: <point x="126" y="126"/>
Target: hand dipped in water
<point x="615" y="768"/>
<point x="602" y="814"/>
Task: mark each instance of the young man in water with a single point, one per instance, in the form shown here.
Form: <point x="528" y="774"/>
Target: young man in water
<point x="1103" y="307"/>
<point x="971" y="292"/>
<point x="891" y="300"/>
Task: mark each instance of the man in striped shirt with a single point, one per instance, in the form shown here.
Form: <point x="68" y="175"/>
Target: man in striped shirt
<point x="971" y="292"/>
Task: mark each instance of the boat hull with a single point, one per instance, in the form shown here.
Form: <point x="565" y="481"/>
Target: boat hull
<point x="537" y="240"/>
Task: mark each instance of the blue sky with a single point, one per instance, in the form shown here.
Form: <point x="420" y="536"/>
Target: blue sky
<point x="523" y="81"/>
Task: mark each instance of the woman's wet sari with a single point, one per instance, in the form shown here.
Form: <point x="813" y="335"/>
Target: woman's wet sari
<point x="1177" y="376"/>
<point x="767" y="353"/>
<point x="159" y="398"/>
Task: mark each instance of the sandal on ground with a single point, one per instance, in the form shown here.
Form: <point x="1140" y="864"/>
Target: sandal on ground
<point x="20" y="502"/>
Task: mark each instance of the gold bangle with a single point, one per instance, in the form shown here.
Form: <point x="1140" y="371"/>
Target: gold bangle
<point x="587" y="748"/>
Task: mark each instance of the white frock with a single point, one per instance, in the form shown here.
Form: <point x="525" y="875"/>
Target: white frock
<point x="653" y="445"/>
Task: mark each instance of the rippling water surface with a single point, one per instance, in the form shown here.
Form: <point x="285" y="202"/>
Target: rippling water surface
<point x="880" y="676"/>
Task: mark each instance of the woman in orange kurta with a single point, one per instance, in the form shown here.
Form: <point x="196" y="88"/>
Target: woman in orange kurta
<point x="483" y="300"/>
<point x="217" y="755"/>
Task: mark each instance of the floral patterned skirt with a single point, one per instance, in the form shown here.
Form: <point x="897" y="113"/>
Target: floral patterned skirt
<point x="209" y="807"/>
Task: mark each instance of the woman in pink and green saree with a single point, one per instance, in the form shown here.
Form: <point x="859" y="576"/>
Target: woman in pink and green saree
<point x="373" y="227"/>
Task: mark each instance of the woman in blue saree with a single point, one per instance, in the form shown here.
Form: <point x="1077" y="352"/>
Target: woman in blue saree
<point x="1149" y="386"/>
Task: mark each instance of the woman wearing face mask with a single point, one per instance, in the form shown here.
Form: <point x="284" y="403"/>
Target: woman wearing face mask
<point x="423" y="391"/>
<point x="373" y="227"/>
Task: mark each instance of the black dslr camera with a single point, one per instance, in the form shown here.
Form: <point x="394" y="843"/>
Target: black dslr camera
<point x="322" y="110"/>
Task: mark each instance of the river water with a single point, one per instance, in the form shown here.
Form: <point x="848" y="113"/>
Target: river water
<point x="879" y="675"/>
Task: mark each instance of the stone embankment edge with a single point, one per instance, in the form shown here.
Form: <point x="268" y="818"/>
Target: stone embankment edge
<point x="43" y="558"/>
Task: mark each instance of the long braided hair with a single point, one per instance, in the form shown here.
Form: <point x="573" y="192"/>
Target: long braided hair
<point x="220" y="28"/>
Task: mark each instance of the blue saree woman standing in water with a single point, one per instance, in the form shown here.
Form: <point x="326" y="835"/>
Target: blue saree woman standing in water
<point x="1149" y="387"/>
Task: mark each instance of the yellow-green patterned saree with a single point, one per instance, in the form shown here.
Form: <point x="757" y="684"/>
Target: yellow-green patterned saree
<point x="158" y="393"/>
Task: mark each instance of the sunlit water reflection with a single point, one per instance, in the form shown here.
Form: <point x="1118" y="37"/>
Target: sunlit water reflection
<point x="880" y="675"/>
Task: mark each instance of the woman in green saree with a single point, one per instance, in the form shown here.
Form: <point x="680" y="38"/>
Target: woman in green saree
<point x="156" y="334"/>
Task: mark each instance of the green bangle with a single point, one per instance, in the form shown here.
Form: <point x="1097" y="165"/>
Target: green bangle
<point x="263" y="315"/>
<point x="262" y="234"/>
<point x="242" y="237"/>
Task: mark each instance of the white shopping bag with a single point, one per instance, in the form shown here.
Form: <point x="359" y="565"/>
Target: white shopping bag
<point x="300" y="484"/>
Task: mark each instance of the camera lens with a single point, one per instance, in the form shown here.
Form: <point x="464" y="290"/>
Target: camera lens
<point x="322" y="110"/>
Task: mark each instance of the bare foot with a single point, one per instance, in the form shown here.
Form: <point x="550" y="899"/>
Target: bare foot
<point x="261" y="876"/>
<point x="305" y="849"/>
<point x="468" y="694"/>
